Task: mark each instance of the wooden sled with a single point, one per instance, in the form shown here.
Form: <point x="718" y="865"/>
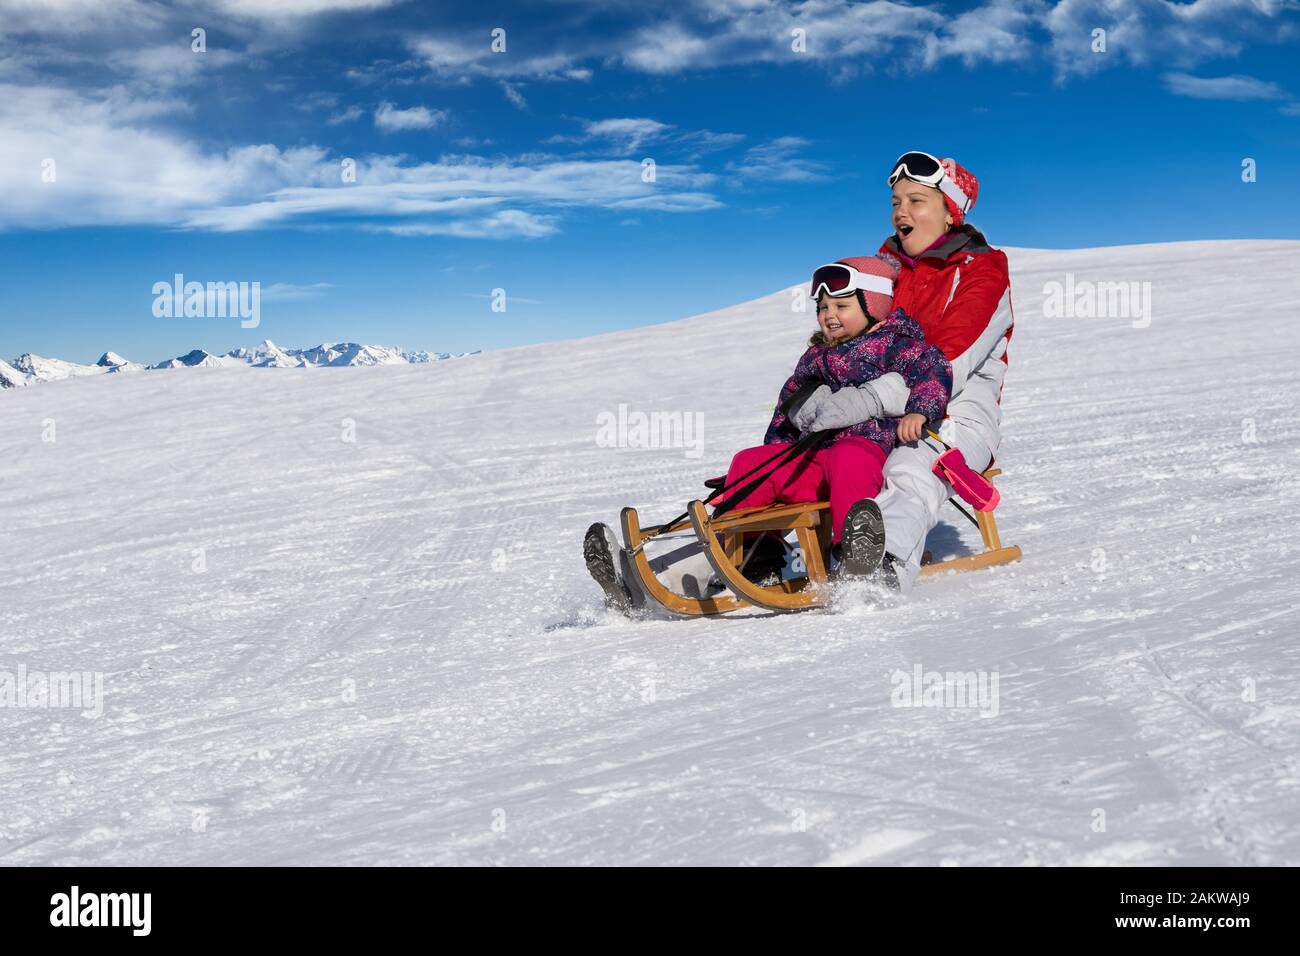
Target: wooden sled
<point x="723" y="542"/>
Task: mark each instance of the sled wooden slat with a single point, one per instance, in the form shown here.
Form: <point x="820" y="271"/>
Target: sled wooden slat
<point x="769" y="518"/>
<point x="988" y="530"/>
<point x="789" y="596"/>
<point x="734" y="545"/>
<point x="772" y="517"/>
<point x="655" y="589"/>
<point x="972" y="562"/>
<point x="810" y="544"/>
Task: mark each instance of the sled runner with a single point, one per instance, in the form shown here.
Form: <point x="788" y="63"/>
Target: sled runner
<point x="722" y="539"/>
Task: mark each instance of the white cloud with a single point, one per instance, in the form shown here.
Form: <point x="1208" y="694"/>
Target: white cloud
<point x="700" y="141"/>
<point x="168" y="67"/>
<point x="710" y="33"/>
<point x="470" y="55"/>
<point x="506" y="224"/>
<point x="669" y="202"/>
<point x="997" y="32"/>
<point x="844" y="37"/>
<point x="390" y="119"/>
<point x="349" y="115"/>
<point x="848" y="38"/>
<point x="1142" y="32"/>
<point x="469" y="188"/>
<point x="627" y="133"/>
<point x="112" y="168"/>
<point x="292" y="9"/>
<point x="451" y="57"/>
<point x="665" y="48"/>
<point x="75" y="16"/>
<point x="288" y="291"/>
<point x="514" y="96"/>
<point x="776" y="162"/>
<point x="1235" y="87"/>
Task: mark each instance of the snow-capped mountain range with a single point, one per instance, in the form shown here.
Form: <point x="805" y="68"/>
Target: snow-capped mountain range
<point x="29" y="369"/>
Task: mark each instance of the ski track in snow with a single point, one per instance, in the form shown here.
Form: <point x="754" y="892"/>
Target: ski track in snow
<point x="395" y="655"/>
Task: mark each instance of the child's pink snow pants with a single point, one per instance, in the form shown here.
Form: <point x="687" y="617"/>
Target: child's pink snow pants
<point x="845" y="472"/>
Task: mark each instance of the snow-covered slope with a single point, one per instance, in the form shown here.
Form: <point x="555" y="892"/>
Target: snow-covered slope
<point x="344" y="618"/>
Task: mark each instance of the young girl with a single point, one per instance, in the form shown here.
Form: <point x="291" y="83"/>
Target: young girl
<point x="861" y="337"/>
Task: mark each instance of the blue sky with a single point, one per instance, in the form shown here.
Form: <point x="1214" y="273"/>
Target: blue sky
<point x="522" y="169"/>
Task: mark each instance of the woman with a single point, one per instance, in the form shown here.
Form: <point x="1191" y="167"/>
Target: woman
<point x="957" y="287"/>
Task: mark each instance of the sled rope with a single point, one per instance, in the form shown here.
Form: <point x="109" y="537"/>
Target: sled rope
<point x="969" y="517"/>
<point x="803" y="445"/>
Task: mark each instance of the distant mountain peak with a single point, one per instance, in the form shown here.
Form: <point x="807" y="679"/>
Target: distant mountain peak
<point x="30" y="368"/>
<point x="10" y="377"/>
<point x="38" y="368"/>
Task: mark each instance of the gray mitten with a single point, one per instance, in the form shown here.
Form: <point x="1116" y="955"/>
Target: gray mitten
<point x="806" y="412"/>
<point x="848" y="406"/>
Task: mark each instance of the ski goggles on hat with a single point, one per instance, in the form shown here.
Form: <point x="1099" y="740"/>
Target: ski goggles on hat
<point x="839" y="279"/>
<point x="928" y="171"/>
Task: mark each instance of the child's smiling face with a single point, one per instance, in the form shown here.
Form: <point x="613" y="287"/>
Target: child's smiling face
<point x="841" y="317"/>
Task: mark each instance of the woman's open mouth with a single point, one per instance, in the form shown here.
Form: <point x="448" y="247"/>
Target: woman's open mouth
<point x="904" y="230"/>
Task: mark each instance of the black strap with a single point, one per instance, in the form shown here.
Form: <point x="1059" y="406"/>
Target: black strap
<point x="969" y="517"/>
<point x="797" y="399"/>
<point x="787" y="408"/>
<point x="804" y="444"/>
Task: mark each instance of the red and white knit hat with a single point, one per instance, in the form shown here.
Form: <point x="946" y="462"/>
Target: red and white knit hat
<point x="964" y="180"/>
<point x="878" y="305"/>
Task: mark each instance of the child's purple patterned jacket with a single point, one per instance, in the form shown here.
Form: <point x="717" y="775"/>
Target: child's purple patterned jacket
<point x="896" y="345"/>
